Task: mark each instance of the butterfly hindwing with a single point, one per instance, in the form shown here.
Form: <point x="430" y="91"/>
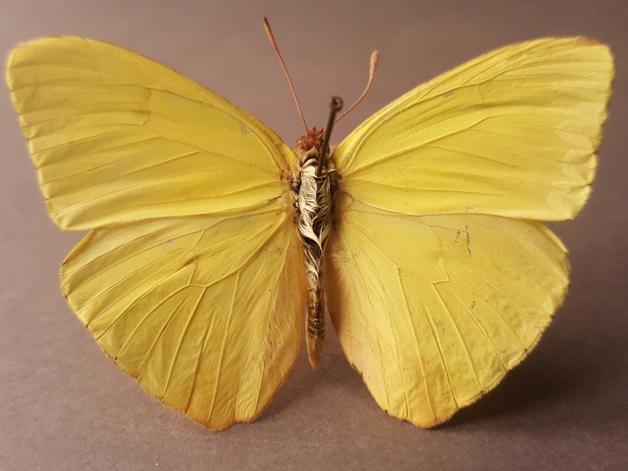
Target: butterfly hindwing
<point x="435" y="310"/>
<point x="205" y="312"/>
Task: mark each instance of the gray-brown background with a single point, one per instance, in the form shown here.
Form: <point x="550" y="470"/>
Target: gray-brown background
<point x="63" y="405"/>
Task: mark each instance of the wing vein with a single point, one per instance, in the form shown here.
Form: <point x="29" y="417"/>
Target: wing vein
<point x="424" y="378"/>
<point x="223" y="346"/>
<point x="181" y="339"/>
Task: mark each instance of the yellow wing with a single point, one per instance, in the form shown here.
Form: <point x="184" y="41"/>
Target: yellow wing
<point x="117" y="137"/>
<point x="512" y="133"/>
<point x="204" y="311"/>
<point x="434" y="291"/>
<point x="434" y="310"/>
<point x="192" y="279"/>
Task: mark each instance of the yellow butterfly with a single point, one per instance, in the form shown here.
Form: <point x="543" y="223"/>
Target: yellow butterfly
<point x="209" y="237"/>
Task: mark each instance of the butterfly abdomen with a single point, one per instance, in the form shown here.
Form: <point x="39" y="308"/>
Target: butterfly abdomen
<point x="313" y="201"/>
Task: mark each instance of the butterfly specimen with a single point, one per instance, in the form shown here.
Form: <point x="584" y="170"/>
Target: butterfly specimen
<point x="212" y="243"/>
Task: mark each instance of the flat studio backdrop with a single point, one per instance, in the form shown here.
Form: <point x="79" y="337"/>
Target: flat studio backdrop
<point x="65" y="406"/>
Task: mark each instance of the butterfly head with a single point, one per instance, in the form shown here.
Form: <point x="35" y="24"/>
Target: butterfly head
<point x="313" y="139"/>
<point x="317" y="140"/>
<point x="315" y="143"/>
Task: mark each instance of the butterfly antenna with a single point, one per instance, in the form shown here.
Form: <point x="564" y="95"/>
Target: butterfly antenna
<point x="334" y="107"/>
<point x="372" y="69"/>
<point x="273" y="42"/>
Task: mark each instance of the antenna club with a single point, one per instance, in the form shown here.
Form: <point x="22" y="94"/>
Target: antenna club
<point x="335" y="106"/>
<point x="269" y="32"/>
<point x="374" y="60"/>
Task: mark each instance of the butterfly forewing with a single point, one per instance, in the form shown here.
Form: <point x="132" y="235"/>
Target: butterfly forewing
<point x="117" y="137"/>
<point x="512" y="133"/>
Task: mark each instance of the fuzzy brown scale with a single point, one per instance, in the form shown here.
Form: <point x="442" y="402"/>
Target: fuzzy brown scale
<point x="313" y="200"/>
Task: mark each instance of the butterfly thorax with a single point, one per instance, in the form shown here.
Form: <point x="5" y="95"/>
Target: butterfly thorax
<point x="313" y="199"/>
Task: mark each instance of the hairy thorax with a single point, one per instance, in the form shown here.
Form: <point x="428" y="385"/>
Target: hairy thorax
<point x="313" y="201"/>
